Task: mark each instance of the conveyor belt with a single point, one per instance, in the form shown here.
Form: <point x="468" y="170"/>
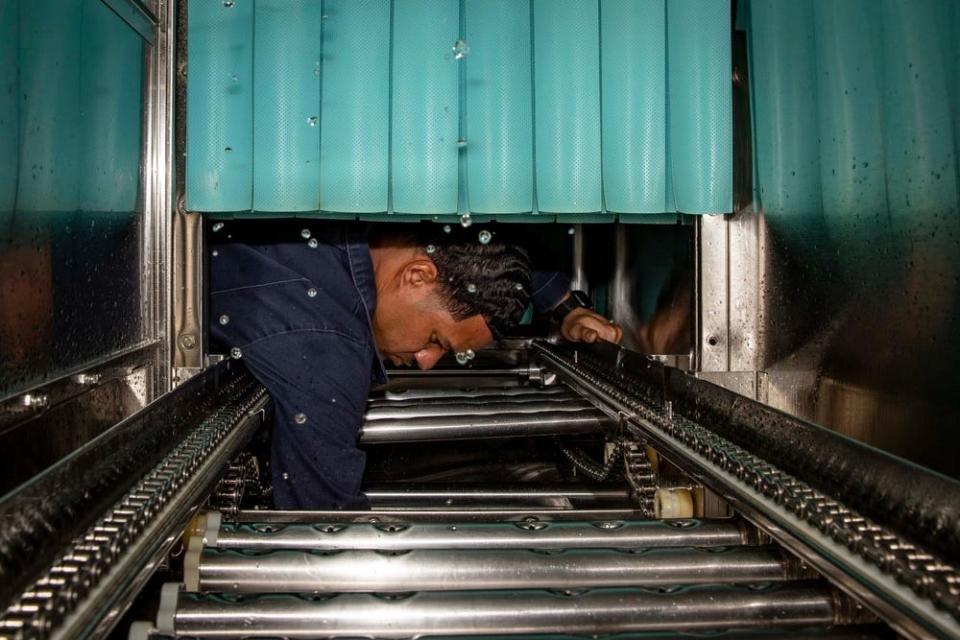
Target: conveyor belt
<point x="468" y="560"/>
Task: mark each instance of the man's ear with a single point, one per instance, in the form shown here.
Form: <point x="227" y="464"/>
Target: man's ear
<point x="418" y="273"/>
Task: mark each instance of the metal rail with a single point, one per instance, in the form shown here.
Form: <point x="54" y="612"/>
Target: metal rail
<point x="94" y="577"/>
<point x="478" y="569"/>
<point x="535" y="534"/>
<point x="907" y="586"/>
<point x="498" y="612"/>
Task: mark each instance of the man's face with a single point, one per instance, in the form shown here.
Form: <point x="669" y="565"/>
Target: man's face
<point x="411" y="326"/>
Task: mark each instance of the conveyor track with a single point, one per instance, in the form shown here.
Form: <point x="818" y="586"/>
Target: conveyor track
<point x="464" y="560"/>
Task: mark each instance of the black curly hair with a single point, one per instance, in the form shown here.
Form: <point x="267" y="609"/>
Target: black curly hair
<point x="491" y="279"/>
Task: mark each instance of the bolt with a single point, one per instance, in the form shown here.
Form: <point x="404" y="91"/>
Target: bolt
<point x="188" y="341"/>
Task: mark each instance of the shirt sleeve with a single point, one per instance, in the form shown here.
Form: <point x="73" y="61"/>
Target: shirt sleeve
<point x="319" y="382"/>
<point x="549" y="288"/>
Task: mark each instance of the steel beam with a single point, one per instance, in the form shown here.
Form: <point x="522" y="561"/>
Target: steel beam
<point x="414" y="495"/>
<point x="485" y="392"/>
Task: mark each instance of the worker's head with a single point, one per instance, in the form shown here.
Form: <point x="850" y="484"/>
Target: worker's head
<point x="443" y="291"/>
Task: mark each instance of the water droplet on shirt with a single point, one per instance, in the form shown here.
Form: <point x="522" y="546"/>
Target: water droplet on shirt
<point x="312" y="243"/>
<point x="313" y="120"/>
<point x="466" y="220"/>
<point x="460" y="49"/>
<point x="224" y="319"/>
<point x="333" y="400"/>
<point x="311" y="292"/>
<point x="471" y="288"/>
<point x="235" y="353"/>
<point x="300" y="418"/>
<point x="286" y="476"/>
<point x="485" y="237"/>
<point x="518" y="287"/>
<point x="305" y="233"/>
<point x="217" y="226"/>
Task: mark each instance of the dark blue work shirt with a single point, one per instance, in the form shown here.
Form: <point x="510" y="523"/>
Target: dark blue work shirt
<point x="298" y="310"/>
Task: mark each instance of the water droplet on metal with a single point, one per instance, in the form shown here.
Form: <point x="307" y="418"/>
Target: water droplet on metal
<point x="312" y="243"/>
<point x="215" y="253"/>
<point x="305" y="233"/>
<point x="466" y="220"/>
<point x="228" y="3"/>
<point x="235" y="353"/>
<point x="217" y="226"/>
<point x="485" y="237"/>
<point x="571" y="231"/>
<point x="471" y="288"/>
<point x="224" y="319"/>
<point x="461" y="142"/>
<point x="460" y="49"/>
<point x="462" y="358"/>
<point x="470" y="354"/>
<point x="300" y="418"/>
<point x="311" y="292"/>
<point x="446" y="228"/>
<point x="313" y="120"/>
<point x="431" y="249"/>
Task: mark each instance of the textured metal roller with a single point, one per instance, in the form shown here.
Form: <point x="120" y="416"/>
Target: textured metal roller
<point x="504" y="425"/>
<point x="469" y="570"/>
<point x="489" y="613"/>
<point x="520" y="535"/>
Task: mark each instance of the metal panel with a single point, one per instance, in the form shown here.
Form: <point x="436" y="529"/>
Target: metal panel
<point x="634" y="76"/>
<point x="219" y="153"/>
<point x="426" y="107"/>
<point x="567" y="138"/>
<point x="498" y="113"/>
<point x="355" y="120"/>
<point x="286" y="105"/>
<point x="700" y="105"/>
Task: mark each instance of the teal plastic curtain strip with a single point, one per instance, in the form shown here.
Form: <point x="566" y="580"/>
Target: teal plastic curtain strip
<point x="70" y="107"/>
<point x="856" y="109"/>
<point x="576" y="110"/>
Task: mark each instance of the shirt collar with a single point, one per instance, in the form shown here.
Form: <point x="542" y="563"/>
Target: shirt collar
<point x="361" y="268"/>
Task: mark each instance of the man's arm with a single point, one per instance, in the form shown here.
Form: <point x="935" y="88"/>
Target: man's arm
<point x="549" y="289"/>
<point x="319" y="382"/>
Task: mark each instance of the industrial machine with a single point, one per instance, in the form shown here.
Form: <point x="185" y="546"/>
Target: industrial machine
<point x="764" y="195"/>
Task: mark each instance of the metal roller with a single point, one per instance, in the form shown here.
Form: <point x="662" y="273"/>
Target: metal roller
<point x="416" y="495"/>
<point x="498" y="612"/>
<point x="508" y="425"/>
<point x="440" y="393"/>
<point x="534" y="534"/>
<point x="468" y="570"/>
<point x="426" y="410"/>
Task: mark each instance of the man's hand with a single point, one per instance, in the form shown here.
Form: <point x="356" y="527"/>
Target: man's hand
<point x="585" y="325"/>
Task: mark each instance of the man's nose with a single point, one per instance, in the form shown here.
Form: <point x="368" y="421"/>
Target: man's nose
<point x="428" y="357"/>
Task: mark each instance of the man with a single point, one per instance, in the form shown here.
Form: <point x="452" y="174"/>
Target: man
<point x="312" y="308"/>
